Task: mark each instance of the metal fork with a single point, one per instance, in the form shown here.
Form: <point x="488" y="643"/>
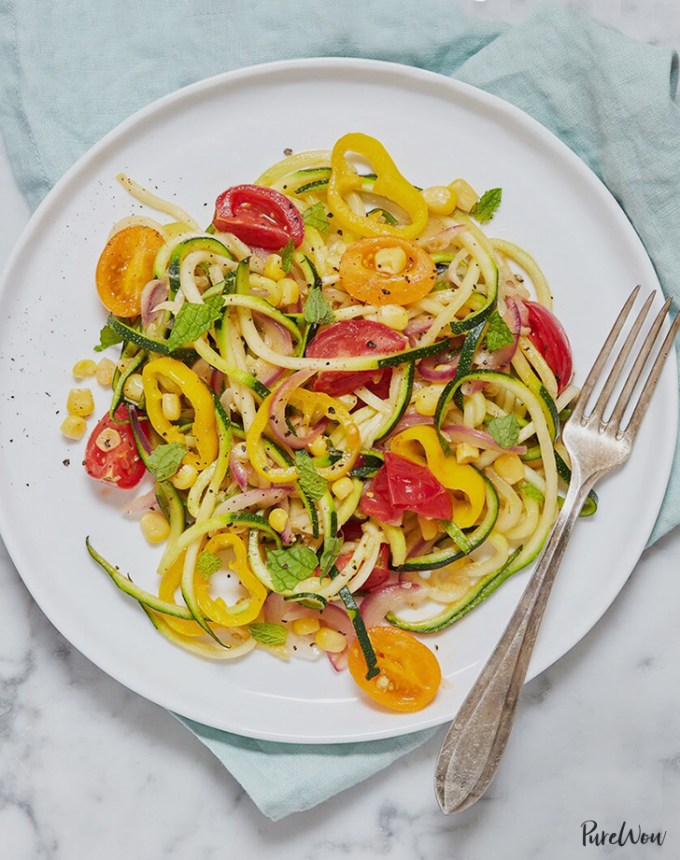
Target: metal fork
<point x="597" y="444"/>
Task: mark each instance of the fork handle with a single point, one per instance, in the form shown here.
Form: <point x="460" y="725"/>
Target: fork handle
<point x="474" y="744"/>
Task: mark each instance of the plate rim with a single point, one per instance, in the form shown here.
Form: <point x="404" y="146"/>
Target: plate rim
<point x="301" y="66"/>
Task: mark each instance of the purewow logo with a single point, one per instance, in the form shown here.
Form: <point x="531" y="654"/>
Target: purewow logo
<point x="592" y="834"/>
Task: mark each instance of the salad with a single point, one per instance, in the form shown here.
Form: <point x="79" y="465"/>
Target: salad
<point x="348" y="399"/>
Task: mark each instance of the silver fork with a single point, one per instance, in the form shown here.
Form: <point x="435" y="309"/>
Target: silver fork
<point x="474" y="745"/>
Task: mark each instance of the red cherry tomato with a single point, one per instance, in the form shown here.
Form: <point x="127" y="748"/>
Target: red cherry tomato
<point x="550" y="339"/>
<point x="350" y="338"/>
<point x="401" y="485"/>
<point x="259" y="216"/>
<point x="111" y="454"/>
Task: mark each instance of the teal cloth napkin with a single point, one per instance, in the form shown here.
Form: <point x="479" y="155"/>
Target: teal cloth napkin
<point x="72" y="71"/>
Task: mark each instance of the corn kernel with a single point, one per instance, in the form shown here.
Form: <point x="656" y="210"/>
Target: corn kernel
<point x="440" y="199"/>
<point x="277" y="519"/>
<point x="84" y="369"/>
<point x="425" y="401"/>
<point x="171" y="406"/>
<point x="428" y="528"/>
<point x="134" y="387"/>
<point x="393" y="316"/>
<point x="74" y="427"/>
<point x="465" y="193"/>
<point x="108" y="439"/>
<point x="392" y="260"/>
<point x="305" y="626"/>
<point x="290" y="292"/>
<point x="330" y="640"/>
<point x="273" y="268"/>
<point x="185" y="477"/>
<point x="80" y="402"/>
<point x="104" y="372"/>
<point x="155" y="527"/>
<point x="509" y="467"/>
<point x="318" y="447"/>
<point x="342" y="487"/>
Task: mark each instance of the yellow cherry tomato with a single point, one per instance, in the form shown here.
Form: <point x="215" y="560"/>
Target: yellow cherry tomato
<point x="126" y="267"/>
<point x="367" y="281"/>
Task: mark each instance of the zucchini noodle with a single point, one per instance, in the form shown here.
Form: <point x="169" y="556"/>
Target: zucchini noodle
<point x="342" y="409"/>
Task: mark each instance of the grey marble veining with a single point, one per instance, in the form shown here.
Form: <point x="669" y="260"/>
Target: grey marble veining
<point x="88" y="768"/>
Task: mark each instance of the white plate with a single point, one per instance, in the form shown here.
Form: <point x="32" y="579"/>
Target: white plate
<point x="190" y="146"/>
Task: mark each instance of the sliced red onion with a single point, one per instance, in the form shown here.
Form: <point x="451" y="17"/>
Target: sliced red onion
<point x="276" y="336"/>
<point x="500" y="357"/>
<point x="239" y="471"/>
<point x="153" y="294"/>
<point x="277" y="412"/>
<point x="275" y="607"/>
<point x="436" y="368"/>
<point x="442" y="239"/>
<point x="142" y="504"/>
<point x="416" y="326"/>
<point x="287" y="531"/>
<point x="217" y="381"/>
<point x="339" y="661"/>
<point x="375" y="607"/>
<point x="479" y="438"/>
<point x="261" y="498"/>
<point x="411" y="419"/>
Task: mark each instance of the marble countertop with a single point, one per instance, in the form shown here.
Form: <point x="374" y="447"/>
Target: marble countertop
<point x="88" y="768"/>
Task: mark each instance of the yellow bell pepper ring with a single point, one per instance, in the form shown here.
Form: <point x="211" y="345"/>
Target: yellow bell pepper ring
<point x="421" y="445"/>
<point x="389" y="184"/>
<point x="199" y="396"/>
<point x="244" y="611"/>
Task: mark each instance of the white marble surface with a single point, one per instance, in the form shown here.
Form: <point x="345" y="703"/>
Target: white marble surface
<point x="90" y="769"/>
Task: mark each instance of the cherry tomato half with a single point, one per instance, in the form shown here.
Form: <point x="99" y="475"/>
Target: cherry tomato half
<point x="350" y="338"/>
<point x="126" y="267"/>
<point x="402" y="485"/>
<point x="259" y="216"/>
<point x="366" y="281"/>
<point x="381" y="571"/>
<point x="550" y="339"/>
<point x="111" y="454"/>
<point x="409" y="672"/>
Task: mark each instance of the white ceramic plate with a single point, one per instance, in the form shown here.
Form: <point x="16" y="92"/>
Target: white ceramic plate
<point x="190" y="146"/>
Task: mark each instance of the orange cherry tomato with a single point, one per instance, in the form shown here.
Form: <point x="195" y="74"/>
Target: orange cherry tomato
<point x="366" y="282"/>
<point x="409" y="672"/>
<point x="126" y="267"/>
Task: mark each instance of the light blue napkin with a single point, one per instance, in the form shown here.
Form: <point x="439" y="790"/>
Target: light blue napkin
<point x="71" y="71"/>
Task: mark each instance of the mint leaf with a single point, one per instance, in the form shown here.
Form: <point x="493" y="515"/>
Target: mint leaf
<point x="498" y="333"/>
<point x="164" y="460"/>
<point x="317" y="308"/>
<point x="315" y="216"/>
<point x="505" y="430"/>
<point x="194" y="320"/>
<point x="331" y="550"/>
<point x="485" y="208"/>
<point x="271" y="635"/>
<point x="207" y="564"/>
<point x="287" y="256"/>
<point x="107" y="337"/>
<point x="290" y="566"/>
<point x="311" y="482"/>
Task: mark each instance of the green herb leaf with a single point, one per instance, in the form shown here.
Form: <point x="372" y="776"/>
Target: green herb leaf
<point x="290" y="566"/>
<point x="311" y="482"/>
<point x="498" y="333"/>
<point x="107" y="337"/>
<point x="164" y="460"/>
<point x="485" y="208"/>
<point x="331" y="550"/>
<point x="318" y="309"/>
<point x="194" y="320"/>
<point x="287" y="255"/>
<point x="316" y="217"/>
<point x="271" y="635"/>
<point x="505" y="430"/>
<point x="207" y="564"/>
